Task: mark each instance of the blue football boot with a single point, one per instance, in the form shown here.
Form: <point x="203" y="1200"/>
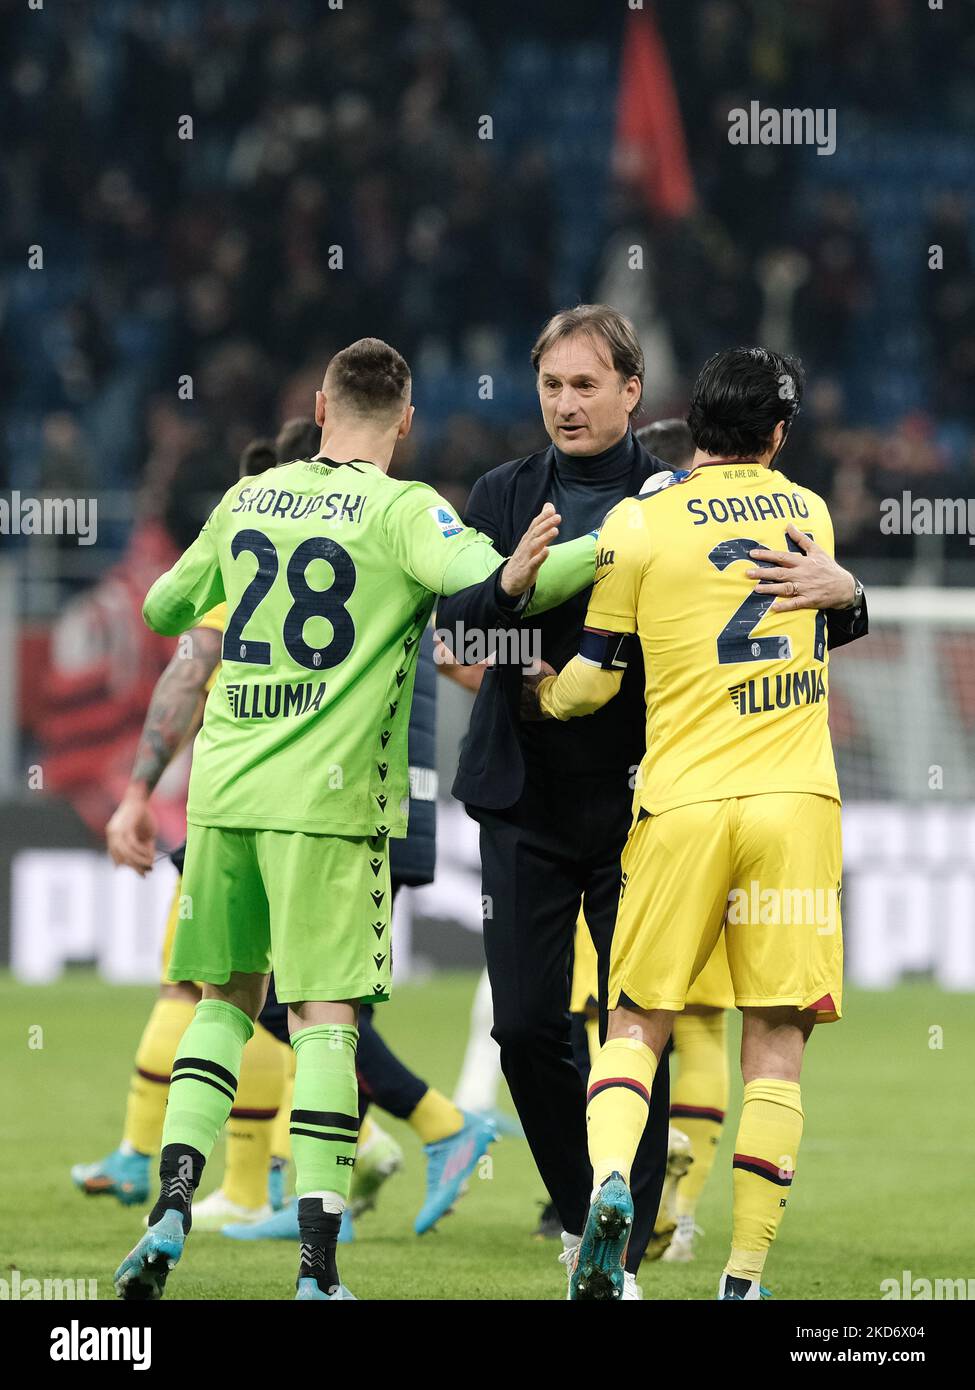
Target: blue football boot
<point x="450" y="1162"/>
<point x="283" y="1225"/>
<point x="121" y="1175"/>
<point x="142" y="1274"/>
<point x="598" y="1272"/>
<point x="308" y="1289"/>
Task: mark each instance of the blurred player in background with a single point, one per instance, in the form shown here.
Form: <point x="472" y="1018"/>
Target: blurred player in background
<point x="740" y="799"/>
<point x="290" y="807"/>
<point x="668" y="440"/>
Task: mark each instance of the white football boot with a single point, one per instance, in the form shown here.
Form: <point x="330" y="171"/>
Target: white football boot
<point x="570" y="1251"/>
<point x="679" y="1159"/>
<point x="680" y="1251"/>
<point x="215" y="1212"/>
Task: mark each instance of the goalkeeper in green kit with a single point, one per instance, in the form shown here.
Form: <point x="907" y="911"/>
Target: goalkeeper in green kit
<point x="330" y="571"/>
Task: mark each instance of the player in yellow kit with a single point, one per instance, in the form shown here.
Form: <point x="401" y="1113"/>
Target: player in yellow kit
<point x="737" y="826"/>
<point x="698" y="1100"/>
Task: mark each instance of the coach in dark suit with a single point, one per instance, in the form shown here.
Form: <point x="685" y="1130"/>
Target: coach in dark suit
<point x="553" y="799"/>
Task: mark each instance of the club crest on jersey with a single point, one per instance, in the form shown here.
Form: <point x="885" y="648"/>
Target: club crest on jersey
<point x="665" y="478"/>
<point x="779" y="692"/>
<point x="449" y="525"/>
<point x="274" y="701"/>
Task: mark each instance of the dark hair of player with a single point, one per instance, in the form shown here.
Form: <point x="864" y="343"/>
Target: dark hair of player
<point x="368" y="378"/>
<point x="256" y="457"/>
<point x="670" y="440"/>
<point x="738" y="399"/>
<point x="597" y="321"/>
<point x="299" y="438"/>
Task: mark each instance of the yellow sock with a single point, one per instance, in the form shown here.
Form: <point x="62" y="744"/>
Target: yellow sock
<point x="618" y="1103"/>
<point x="263" y="1071"/>
<point x="700" y="1096"/>
<point x="149" y="1087"/>
<point x="366" y="1131"/>
<point x="435" y="1118"/>
<point x="765" y="1159"/>
<point x="592" y="1036"/>
<point x="281" y="1124"/>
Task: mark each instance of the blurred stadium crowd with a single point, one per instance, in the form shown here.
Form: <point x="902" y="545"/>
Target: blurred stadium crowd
<point x="319" y="133"/>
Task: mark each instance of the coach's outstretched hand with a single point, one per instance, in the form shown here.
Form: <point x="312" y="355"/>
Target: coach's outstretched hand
<point x="521" y="570"/>
<point x="803" y="578"/>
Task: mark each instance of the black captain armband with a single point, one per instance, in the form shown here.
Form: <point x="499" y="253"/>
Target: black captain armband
<point x="607" y="650"/>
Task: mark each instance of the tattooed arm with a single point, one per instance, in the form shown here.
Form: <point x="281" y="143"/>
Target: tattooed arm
<point x="172" y="717"/>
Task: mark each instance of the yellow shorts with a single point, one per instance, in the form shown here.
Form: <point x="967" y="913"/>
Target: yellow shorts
<point x="170" y="932"/>
<point x="712" y="989"/>
<point x="585" y="989"/>
<point x="172" y="922"/>
<point x="765" y="871"/>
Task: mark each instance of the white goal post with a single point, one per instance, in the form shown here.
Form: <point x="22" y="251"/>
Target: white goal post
<point x="902" y="712"/>
<point x="903" y="699"/>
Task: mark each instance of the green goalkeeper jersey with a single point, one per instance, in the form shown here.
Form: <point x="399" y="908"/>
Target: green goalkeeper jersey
<point x="330" y="573"/>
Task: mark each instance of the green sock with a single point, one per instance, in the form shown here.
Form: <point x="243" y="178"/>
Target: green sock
<point x="325" y="1109"/>
<point x="204" y="1076"/>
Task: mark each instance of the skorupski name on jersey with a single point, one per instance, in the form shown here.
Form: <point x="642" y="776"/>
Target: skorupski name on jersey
<point x="272" y="501"/>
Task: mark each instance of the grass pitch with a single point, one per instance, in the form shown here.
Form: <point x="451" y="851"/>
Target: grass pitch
<point x="885" y="1183"/>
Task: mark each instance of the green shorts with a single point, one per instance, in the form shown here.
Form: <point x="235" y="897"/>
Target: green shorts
<point x="314" y="908"/>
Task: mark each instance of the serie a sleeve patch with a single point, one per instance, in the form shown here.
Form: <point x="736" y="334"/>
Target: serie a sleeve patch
<point x="607" y="650"/>
<point x="446" y="522"/>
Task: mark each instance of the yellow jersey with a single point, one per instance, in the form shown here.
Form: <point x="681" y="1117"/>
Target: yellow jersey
<point x="736" y="695"/>
<point x="216" y="619"/>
